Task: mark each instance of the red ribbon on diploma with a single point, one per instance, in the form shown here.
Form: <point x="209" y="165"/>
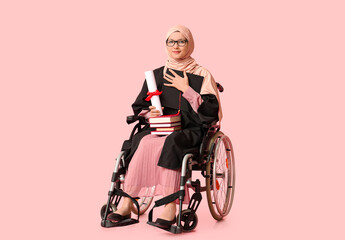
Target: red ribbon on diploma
<point x="151" y="94"/>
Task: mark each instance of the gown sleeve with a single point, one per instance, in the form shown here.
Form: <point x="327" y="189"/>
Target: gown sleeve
<point x="193" y="98"/>
<point x="140" y="103"/>
<point x="208" y="109"/>
<point x="205" y="105"/>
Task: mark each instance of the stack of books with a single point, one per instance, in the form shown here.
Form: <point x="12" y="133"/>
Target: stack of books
<point x="166" y="124"/>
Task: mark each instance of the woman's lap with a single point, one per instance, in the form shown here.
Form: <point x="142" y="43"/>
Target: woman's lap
<point x="143" y="171"/>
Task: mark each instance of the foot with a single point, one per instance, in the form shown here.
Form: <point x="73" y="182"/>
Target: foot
<point x="123" y="211"/>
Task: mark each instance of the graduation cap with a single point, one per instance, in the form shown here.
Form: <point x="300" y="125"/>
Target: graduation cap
<point x="170" y="96"/>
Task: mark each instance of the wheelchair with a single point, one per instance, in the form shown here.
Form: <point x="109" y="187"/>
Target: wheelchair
<point x="215" y="160"/>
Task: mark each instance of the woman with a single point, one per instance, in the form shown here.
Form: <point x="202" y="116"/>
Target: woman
<point x="156" y="160"/>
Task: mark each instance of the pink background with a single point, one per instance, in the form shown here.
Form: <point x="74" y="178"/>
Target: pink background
<point x="70" y="70"/>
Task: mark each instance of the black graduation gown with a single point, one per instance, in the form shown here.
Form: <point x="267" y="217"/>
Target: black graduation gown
<point x="187" y="140"/>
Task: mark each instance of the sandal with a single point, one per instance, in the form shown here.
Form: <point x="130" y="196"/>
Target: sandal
<point x="164" y="223"/>
<point x="115" y="217"/>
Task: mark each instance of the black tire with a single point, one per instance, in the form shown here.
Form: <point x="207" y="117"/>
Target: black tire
<point x="226" y="176"/>
<point x="112" y="209"/>
<point x="188" y="222"/>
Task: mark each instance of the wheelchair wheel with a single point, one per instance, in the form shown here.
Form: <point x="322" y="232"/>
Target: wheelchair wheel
<point x="220" y="185"/>
<point x="188" y="220"/>
<point x="112" y="209"/>
<point x="144" y="202"/>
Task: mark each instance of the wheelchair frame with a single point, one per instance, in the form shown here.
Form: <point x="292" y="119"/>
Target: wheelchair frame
<point x="205" y="162"/>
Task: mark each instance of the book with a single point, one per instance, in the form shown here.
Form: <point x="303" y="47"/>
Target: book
<point x="165" y="129"/>
<point x="161" y="133"/>
<point x="162" y="125"/>
<point x="166" y="119"/>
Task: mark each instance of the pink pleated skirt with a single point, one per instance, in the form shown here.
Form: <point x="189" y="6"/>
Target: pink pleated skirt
<point x="143" y="171"/>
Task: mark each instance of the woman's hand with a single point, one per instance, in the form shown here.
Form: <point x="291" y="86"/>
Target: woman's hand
<point x="154" y="112"/>
<point x="177" y="81"/>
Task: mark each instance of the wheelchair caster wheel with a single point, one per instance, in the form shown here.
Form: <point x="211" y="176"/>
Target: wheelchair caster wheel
<point x="112" y="207"/>
<point x="188" y="220"/>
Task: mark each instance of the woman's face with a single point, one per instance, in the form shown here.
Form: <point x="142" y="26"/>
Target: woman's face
<point x="176" y="51"/>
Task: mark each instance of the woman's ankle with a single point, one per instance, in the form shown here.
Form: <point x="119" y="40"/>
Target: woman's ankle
<point x="126" y="206"/>
<point x="171" y="206"/>
<point x="169" y="212"/>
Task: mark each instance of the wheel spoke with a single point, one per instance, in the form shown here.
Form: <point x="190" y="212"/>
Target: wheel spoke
<point x="221" y="171"/>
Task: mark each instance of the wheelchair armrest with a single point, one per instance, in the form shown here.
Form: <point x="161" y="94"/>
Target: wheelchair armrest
<point x="210" y="130"/>
<point x="214" y="124"/>
<point x="133" y="118"/>
<point x="220" y="87"/>
<point x="142" y="124"/>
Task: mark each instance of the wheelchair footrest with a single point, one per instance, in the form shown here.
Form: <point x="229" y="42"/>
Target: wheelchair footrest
<point x="109" y="224"/>
<point x="173" y="228"/>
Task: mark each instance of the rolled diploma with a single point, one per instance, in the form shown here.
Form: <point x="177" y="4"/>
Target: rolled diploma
<point x="152" y="86"/>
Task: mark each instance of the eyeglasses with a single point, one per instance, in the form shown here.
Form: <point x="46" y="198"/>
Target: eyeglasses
<point x="180" y="43"/>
